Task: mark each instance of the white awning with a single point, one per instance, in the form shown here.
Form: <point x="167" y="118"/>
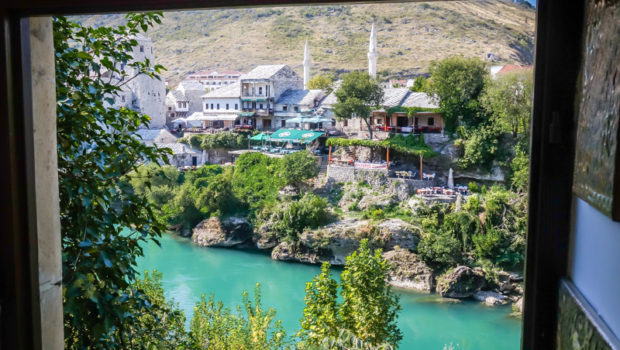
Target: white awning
<point x="196" y="116"/>
<point x="221" y="117"/>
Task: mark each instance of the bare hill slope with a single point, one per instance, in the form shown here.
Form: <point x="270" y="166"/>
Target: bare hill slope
<point x="410" y="35"/>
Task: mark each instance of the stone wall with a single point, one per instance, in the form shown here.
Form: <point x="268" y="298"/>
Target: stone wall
<point x="374" y="177"/>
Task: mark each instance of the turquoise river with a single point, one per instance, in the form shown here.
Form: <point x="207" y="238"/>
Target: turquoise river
<point x="427" y="322"/>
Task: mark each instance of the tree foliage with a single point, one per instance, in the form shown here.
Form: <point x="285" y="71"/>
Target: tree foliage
<point x="321" y="82"/>
<point x="369" y="307"/>
<point x="103" y="221"/>
<point x="420" y="84"/>
<point x="298" y="166"/>
<point x="250" y="328"/>
<point x="508" y="98"/>
<point x="458" y="82"/>
<point x="357" y="96"/>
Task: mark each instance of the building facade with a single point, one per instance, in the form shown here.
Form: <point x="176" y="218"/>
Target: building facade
<point x="184" y="100"/>
<point x="212" y="79"/>
<point x="142" y="93"/>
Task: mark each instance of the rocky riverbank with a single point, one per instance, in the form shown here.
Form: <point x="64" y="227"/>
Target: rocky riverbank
<point x="334" y="242"/>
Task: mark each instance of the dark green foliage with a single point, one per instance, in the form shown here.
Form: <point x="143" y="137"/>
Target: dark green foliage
<point x="480" y="147"/>
<point x="458" y="82"/>
<point x="298" y="167"/>
<point x="96" y="147"/>
<point x="358" y="95"/>
<point x="489" y="228"/>
<point x="368" y="310"/>
<point x="289" y="221"/>
<point x="255" y="180"/>
<point x="162" y="326"/>
<point x="420" y="84"/>
<point x="225" y="139"/>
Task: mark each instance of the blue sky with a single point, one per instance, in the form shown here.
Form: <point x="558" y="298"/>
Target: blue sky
<point x="533" y="2"/>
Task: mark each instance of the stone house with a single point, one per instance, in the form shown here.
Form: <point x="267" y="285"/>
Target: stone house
<point x="296" y="103"/>
<point x="142" y="93"/>
<point x="221" y="108"/>
<point x="261" y="88"/>
<point x="182" y="154"/>
<point x="184" y="100"/>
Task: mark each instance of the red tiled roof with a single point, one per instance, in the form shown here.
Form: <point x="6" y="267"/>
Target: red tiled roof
<point x="513" y="68"/>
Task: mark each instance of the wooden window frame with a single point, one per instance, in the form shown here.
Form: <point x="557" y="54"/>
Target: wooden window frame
<point x="557" y="60"/>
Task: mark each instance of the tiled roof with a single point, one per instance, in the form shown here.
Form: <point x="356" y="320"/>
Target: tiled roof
<point x="299" y="97"/>
<point x="177" y="148"/>
<point x="421" y="100"/>
<point x="190" y="85"/>
<point x="394" y="96"/>
<point x="263" y="72"/>
<point x="176" y="95"/>
<point x="227" y="91"/>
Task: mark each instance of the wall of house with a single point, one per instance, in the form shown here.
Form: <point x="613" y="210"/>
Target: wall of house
<point x="222" y="102"/>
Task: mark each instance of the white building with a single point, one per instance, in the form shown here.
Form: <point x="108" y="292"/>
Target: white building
<point x="184" y="100"/>
<point x="211" y="79"/>
<point x="142" y="93"/>
<point x="261" y="87"/>
<point x="221" y="108"/>
<point x="183" y="155"/>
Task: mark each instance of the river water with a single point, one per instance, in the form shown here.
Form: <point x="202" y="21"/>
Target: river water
<point x="427" y="322"/>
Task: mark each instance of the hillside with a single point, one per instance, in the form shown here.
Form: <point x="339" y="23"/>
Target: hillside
<point x="410" y="36"/>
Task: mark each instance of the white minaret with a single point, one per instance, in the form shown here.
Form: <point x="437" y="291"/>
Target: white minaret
<point x="306" y="65"/>
<point x="372" y="53"/>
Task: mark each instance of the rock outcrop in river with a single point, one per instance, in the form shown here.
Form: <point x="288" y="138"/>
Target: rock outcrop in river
<point x="462" y="282"/>
<point x="409" y="271"/>
<point x="229" y="232"/>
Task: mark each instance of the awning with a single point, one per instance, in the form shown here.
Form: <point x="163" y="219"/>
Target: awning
<point x="293" y="135"/>
<point x="247" y="114"/>
<point x="260" y="137"/>
<point x="196" y="116"/>
<point x="306" y="120"/>
<point x="179" y="121"/>
<point x="254" y="100"/>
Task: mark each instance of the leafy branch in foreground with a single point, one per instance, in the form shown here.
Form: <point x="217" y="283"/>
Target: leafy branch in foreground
<point x="103" y="221"/>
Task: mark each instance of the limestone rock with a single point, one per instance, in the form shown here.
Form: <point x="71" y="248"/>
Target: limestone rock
<point x="490" y="298"/>
<point x="396" y="232"/>
<point x="409" y="271"/>
<point x="290" y="252"/>
<point x="518" y="305"/>
<point x="230" y="232"/>
<point x="462" y="282"/>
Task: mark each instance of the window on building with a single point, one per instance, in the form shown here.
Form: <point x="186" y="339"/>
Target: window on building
<point x="169" y="108"/>
<point x="218" y="106"/>
<point x="141" y="48"/>
<point x="284" y="108"/>
<point x="261" y="106"/>
<point x="379" y="121"/>
<point x="431" y="121"/>
<point x="236" y="106"/>
<point x="206" y="106"/>
<point x="123" y="98"/>
<point x="212" y="106"/>
<point x="283" y="123"/>
<point x="260" y="90"/>
<point x="227" y="106"/>
<point x="345" y="123"/>
<point x="296" y="108"/>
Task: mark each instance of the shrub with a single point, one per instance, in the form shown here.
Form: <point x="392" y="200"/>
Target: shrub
<point x="440" y="251"/>
<point x="297" y="167"/>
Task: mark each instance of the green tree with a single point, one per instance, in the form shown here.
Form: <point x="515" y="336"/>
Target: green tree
<point x="508" y="98"/>
<point x="290" y="220"/>
<point x="250" y="328"/>
<point x="357" y="96"/>
<point x="440" y="250"/>
<point x="320" y="316"/>
<point x="458" y="82"/>
<point x="298" y="167"/>
<point x="321" y="82"/>
<point x="103" y="220"/>
<point x="420" y="84"/>
<point x="162" y="327"/>
<point x="369" y="307"/>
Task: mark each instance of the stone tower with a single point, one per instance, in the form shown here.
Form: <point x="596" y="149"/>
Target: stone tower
<point x="306" y="63"/>
<point x="372" y="53"/>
